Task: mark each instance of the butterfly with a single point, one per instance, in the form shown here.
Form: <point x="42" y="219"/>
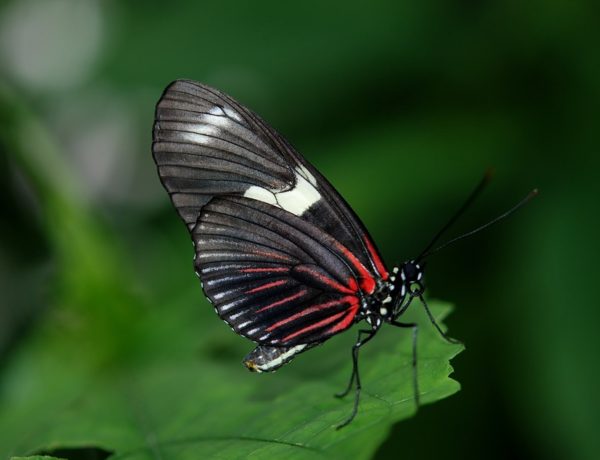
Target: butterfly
<point x="281" y="256"/>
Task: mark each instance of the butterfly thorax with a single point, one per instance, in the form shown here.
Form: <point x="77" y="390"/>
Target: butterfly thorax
<point x="391" y="296"/>
<point x="378" y="306"/>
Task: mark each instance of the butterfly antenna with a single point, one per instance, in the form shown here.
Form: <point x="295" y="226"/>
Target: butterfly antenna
<point x="487" y="177"/>
<point x="520" y="204"/>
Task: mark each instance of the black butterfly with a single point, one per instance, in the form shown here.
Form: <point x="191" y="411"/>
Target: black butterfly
<point x="280" y="254"/>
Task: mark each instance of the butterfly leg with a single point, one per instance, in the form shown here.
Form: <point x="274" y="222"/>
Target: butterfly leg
<point x="415" y="334"/>
<point x="355" y="374"/>
<point x="437" y="326"/>
<point x="348" y="388"/>
<point x="355" y="364"/>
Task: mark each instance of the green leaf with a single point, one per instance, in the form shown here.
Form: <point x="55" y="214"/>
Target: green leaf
<point x="149" y="373"/>
<point x="182" y="392"/>
<point x="187" y="405"/>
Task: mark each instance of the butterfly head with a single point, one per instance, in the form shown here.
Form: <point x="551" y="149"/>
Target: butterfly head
<point x="409" y="283"/>
<point x="411" y="277"/>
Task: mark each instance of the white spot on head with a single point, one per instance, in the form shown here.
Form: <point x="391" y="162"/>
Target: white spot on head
<point x="395" y="269"/>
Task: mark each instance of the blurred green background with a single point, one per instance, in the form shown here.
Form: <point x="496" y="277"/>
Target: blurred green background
<point x="402" y="105"/>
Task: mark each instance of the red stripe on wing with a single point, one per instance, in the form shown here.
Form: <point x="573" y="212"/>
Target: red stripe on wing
<point x="270" y="285"/>
<point x="314" y="326"/>
<point x="352" y="284"/>
<point x="272" y="255"/>
<point x="265" y="270"/>
<point x="346" y="322"/>
<point x="367" y="283"/>
<point x="283" y="301"/>
<point x="313" y="309"/>
<point x="330" y="281"/>
<point x="376" y="259"/>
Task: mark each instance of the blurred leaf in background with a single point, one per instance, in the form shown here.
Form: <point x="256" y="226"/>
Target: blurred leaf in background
<point x="401" y="105"/>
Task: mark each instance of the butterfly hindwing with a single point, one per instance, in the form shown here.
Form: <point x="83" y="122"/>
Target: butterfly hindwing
<point x="273" y="277"/>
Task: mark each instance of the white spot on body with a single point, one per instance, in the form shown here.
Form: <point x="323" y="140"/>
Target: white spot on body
<point x="297" y="200"/>
<point x="383" y="311"/>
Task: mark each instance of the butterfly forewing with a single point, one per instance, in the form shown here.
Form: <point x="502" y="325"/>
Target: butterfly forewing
<point x="207" y="145"/>
<point x="204" y="147"/>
